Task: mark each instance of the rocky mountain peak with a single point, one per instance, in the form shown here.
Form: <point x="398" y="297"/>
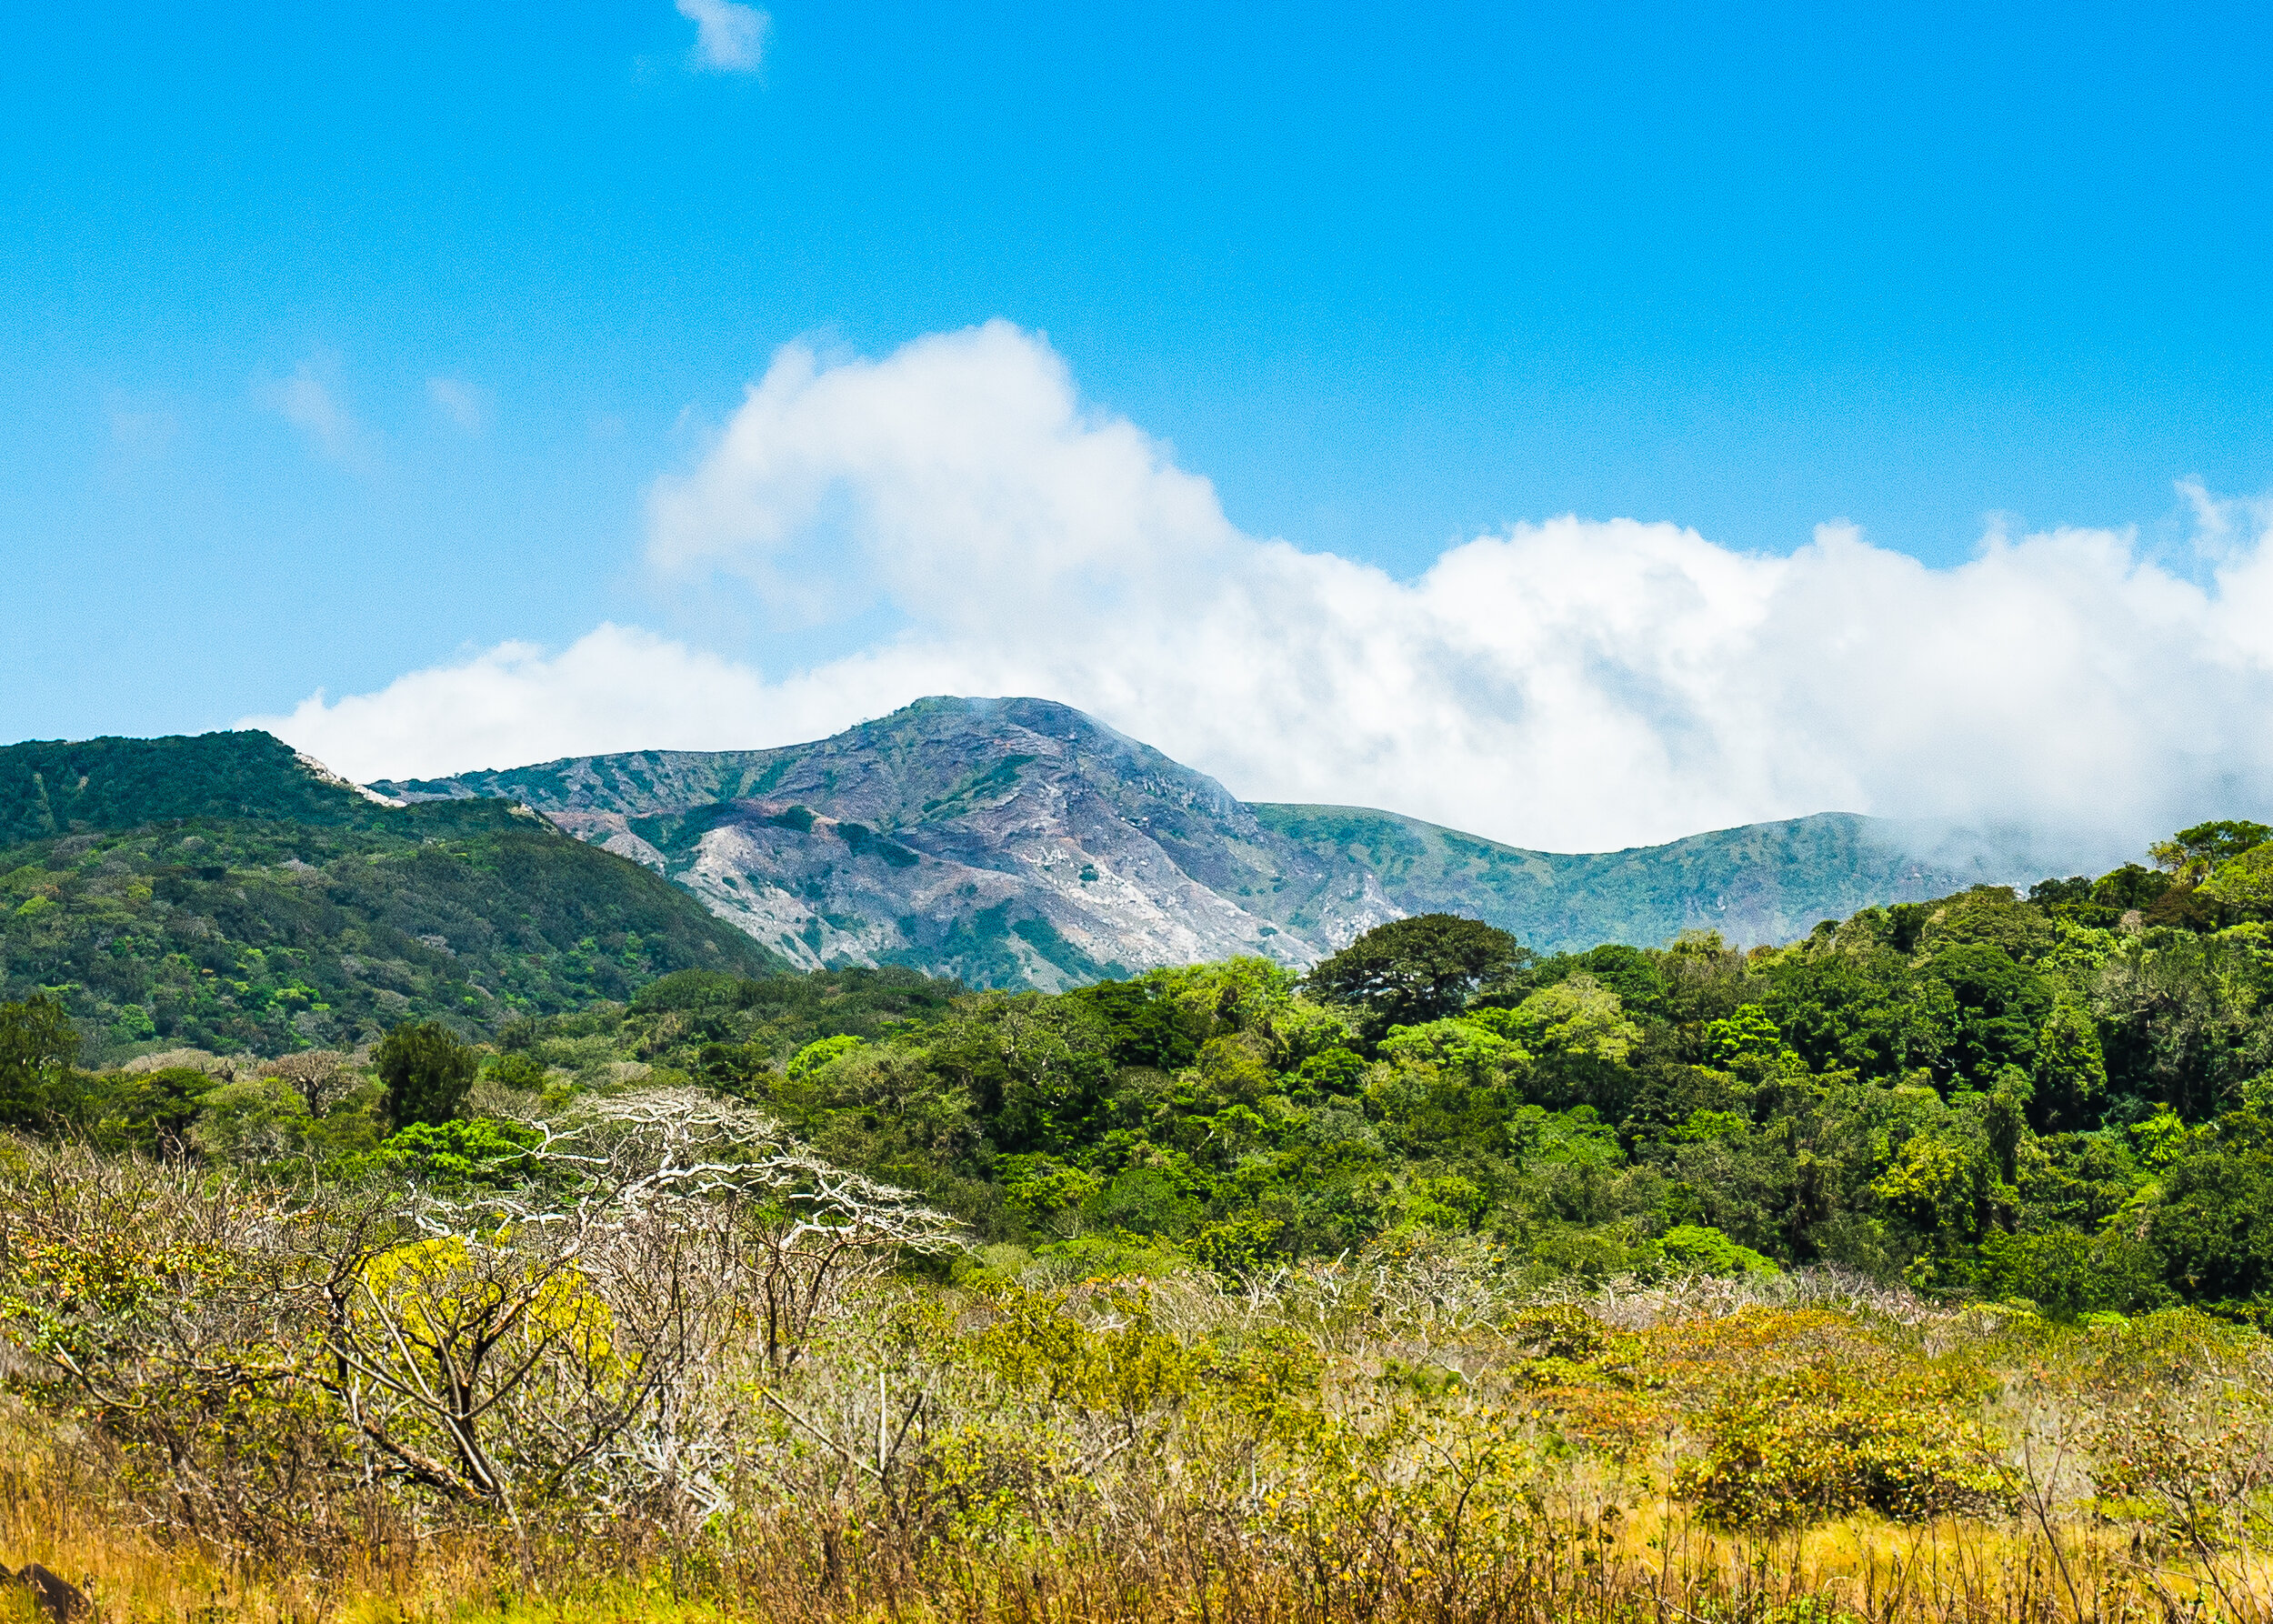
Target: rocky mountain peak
<point x="1019" y="842"/>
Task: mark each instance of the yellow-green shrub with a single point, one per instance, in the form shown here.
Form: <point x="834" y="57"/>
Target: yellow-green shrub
<point x="1837" y="1439"/>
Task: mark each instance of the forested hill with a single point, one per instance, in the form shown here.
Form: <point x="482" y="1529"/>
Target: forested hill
<point x="222" y="892"/>
<point x="1018" y="842"/>
<point x="52" y="786"/>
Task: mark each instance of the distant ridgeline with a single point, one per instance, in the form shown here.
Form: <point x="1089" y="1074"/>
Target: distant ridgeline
<point x="1017" y="842"/>
<point x="223" y="892"/>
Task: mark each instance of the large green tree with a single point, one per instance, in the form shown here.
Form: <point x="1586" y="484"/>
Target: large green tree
<point x="37" y="1046"/>
<point x="1414" y="970"/>
<point x="2194" y="853"/>
<point x="427" y="1071"/>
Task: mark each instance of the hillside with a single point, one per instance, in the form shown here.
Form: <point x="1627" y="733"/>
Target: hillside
<point x="221" y="892"/>
<point x="54" y="786"/>
<point x="1763" y="882"/>
<point x="1019" y="842"/>
<point x="1821" y="1249"/>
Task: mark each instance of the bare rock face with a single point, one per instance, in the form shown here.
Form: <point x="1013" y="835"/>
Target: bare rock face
<point x="1019" y="843"/>
<point x="1012" y="842"/>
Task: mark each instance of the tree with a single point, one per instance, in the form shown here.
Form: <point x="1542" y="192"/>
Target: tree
<point x="321" y="1076"/>
<point x="259" y="1120"/>
<point x="2000" y="1007"/>
<point x="2214" y="1227"/>
<point x="1411" y="971"/>
<point x="37" y="1046"/>
<point x="427" y="1072"/>
<point x="2193" y="853"/>
<point x="2244" y="883"/>
<point x="2071" y="1070"/>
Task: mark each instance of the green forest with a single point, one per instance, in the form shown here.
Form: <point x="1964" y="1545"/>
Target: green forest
<point x="2065" y="1098"/>
<point x="215" y="893"/>
<point x="1916" y="1269"/>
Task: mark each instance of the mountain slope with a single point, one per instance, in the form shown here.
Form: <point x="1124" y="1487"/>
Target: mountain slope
<point x="50" y="787"/>
<point x="225" y="893"/>
<point x="1019" y="842"/>
<point x="1763" y="882"/>
<point x="1010" y="842"/>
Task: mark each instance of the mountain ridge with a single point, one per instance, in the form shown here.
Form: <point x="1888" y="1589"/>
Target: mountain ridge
<point x="1018" y="841"/>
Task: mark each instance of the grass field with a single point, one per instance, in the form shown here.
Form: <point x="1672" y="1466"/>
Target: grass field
<point x="1388" y="1440"/>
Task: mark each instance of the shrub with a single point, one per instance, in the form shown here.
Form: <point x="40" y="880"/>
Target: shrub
<point x="461" y="1155"/>
<point x="1699" y="1248"/>
<point x="1837" y="1439"/>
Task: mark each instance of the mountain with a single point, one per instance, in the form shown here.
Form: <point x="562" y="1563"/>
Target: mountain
<point x="1017" y="842"/>
<point x="223" y="892"/>
<point x="53" y="786"/>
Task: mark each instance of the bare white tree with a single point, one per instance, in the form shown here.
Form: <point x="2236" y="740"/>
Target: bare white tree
<point x="523" y="1336"/>
<point x="574" y="1325"/>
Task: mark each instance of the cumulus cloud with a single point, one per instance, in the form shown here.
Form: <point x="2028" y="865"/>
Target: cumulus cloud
<point x="309" y="403"/>
<point x="615" y="688"/>
<point x="728" y="37"/>
<point x="1572" y="684"/>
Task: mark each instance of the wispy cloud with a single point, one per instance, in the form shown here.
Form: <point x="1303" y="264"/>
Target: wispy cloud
<point x="729" y="37"/>
<point x="311" y="405"/>
<point x="460" y="401"/>
<point x="1573" y="684"/>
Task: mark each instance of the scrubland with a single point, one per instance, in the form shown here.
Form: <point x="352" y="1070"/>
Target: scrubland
<point x="695" y="1380"/>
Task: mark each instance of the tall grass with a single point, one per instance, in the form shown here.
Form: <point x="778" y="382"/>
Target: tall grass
<point x="1388" y="1443"/>
<point x="1404" y="1435"/>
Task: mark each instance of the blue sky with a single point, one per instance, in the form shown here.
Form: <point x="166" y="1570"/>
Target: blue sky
<point x="337" y="343"/>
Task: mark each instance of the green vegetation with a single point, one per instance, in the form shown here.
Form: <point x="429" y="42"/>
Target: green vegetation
<point x="1762" y="882"/>
<point x="2063" y="1100"/>
<point x="215" y="893"/>
<point x="56" y="787"/>
<point x="427" y="1073"/>
<point x="1917" y="1269"/>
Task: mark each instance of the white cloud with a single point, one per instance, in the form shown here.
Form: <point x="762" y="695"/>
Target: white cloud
<point x="616" y="689"/>
<point x="728" y="37"/>
<point x="1572" y="684"/>
<point x="460" y="401"/>
<point x="306" y="402"/>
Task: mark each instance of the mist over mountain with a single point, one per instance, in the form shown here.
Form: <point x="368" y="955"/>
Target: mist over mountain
<point x="1018" y="842"/>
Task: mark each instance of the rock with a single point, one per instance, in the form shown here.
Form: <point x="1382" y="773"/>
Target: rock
<point x="57" y="1596"/>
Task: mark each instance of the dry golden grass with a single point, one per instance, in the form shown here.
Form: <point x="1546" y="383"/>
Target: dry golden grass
<point x="1407" y="1438"/>
<point x="1597" y="1559"/>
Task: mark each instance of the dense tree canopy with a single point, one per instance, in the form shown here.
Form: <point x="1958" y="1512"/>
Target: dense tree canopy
<point x="2066" y="1096"/>
<point x="37" y="1044"/>
<point x="427" y="1071"/>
